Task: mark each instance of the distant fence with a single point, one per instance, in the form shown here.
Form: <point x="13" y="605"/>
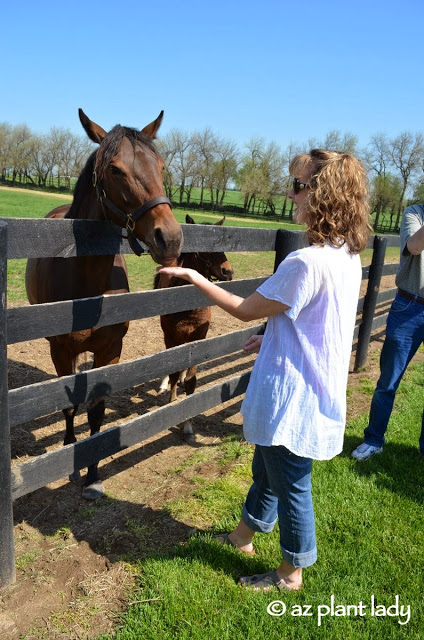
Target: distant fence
<point x="23" y="238"/>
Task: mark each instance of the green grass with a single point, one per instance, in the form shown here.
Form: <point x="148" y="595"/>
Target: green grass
<point x="28" y="204"/>
<point x="141" y="270"/>
<point x="369" y="520"/>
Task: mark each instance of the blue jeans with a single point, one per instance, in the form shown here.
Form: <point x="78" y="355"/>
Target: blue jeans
<point x="404" y="334"/>
<point x="282" y="488"/>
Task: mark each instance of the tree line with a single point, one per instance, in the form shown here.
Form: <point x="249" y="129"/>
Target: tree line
<point x="201" y="167"/>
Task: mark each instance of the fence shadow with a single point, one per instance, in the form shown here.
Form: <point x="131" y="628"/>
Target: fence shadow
<point x="112" y="527"/>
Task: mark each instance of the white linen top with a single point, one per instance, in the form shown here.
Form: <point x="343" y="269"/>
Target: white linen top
<point x="297" y="391"/>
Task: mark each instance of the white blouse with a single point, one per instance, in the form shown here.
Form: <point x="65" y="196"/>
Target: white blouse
<point x="297" y="391"/>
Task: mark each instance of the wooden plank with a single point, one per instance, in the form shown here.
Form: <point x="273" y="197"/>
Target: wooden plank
<point x="374" y="279"/>
<point x="56" y="318"/>
<point x="7" y="555"/>
<point x="390" y="269"/>
<point x="32" y="238"/>
<point x="60" y="463"/>
<point x="386" y="295"/>
<point x="391" y="240"/>
<point x="360" y="304"/>
<point x="36" y="400"/>
<point x="380" y="321"/>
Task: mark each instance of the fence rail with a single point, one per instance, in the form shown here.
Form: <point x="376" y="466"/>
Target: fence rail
<point x="22" y="238"/>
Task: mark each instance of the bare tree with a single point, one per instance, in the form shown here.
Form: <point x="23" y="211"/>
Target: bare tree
<point x="18" y="151"/>
<point x="224" y="168"/>
<point x="377" y="159"/>
<point x="407" y="154"/>
<point x="42" y="159"/>
<point x="205" y="147"/>
<point x="5" y="148"/>
<point x="175" y="149"/>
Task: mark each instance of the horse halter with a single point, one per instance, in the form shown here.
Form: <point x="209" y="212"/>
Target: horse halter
<point x="128" y="220"/>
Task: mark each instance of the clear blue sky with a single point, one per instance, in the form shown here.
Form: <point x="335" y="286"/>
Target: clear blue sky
<point x="284" y="71"/>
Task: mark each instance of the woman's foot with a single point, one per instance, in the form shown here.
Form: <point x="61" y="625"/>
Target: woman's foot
<point x="232" y="540"/>
<point x="267" y="581"/>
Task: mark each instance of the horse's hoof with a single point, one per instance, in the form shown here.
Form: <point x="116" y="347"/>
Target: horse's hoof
<point x="93" y="491"/>
<point x="75" y="476"/>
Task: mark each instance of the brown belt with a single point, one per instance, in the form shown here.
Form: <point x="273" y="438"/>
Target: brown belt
<point x="410" y="296"/>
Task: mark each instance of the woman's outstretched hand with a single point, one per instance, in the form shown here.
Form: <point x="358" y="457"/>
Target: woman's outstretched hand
<point x="253" y="344"/>
<point x="178" y="272"/>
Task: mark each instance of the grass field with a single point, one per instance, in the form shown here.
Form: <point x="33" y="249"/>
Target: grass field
<point x="367" y="583"/>
<point x="141" y="271"/>
<point x="28" y="204"/>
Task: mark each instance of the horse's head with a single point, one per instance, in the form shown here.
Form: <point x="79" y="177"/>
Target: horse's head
<point x="128" y="180"/>
<point x="213" y="265"/>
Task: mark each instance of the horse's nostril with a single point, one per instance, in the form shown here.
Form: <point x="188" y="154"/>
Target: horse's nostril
<point x="227" y="273"/>
<point x="160" y="240"/>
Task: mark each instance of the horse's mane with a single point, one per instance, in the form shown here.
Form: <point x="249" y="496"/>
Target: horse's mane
<point x="108" y="147"/>
<point x="99" y="160"/>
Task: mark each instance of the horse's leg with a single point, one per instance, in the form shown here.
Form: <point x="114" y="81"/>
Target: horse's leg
<point x="64" y="363"/>
<point x="93" y="487"/>
<point x="163" y="385"/>
<point x="190" y="381"/>
<point x="173" y="381"/>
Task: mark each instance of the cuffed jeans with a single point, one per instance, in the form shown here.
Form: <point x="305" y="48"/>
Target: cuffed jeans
<point x="404" y="334"/>
<point x="282" y="489"/>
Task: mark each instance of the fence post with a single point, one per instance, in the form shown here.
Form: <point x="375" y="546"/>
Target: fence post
<point x="7" y="552"/>
<point x="370" y="300"/>
<point x="287" y="241"/>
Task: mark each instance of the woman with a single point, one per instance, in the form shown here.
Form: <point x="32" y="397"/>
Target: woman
<point x="295" y="406"/>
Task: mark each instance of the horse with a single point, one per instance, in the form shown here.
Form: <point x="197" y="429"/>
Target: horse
<point x="122" y="183"/>
<point x="186" y="326"/>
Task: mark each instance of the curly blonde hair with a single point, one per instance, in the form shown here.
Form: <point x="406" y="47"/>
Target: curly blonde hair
<point x="336" y="207"/>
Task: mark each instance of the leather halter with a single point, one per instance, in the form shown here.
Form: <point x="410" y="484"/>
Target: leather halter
<point x="127" y="220"/>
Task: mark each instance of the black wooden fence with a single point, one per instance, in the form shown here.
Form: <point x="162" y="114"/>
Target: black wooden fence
<point x="21" y="238"/>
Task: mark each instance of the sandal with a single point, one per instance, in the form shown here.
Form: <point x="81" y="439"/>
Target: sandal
<point x="223" y="538"/>
<point x="266" y="581"/>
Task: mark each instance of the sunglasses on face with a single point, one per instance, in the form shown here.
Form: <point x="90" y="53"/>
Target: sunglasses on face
<point x="298" y="186"/>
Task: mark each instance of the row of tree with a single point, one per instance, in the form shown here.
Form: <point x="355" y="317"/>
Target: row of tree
<point x="42" y="160"/>
<point x="215" y="165"/>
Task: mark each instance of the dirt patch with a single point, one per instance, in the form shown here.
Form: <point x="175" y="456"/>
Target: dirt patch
<point x="72" y="574"/>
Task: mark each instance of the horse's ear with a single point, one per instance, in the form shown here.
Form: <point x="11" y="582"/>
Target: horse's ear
<point x="189" y="219"/>
<point x="220" y="222"/>
<point x="151" y="129"/>
<point x="93" y="130"/>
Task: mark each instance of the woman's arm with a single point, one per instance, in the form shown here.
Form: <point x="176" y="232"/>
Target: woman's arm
<point x="252" y="308"/>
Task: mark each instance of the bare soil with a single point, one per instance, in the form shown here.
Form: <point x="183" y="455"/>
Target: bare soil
<point x="72" y="580"/>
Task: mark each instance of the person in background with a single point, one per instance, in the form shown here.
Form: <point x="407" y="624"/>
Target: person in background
<point x="295" y="405"/>
<point x="404" y="333"/>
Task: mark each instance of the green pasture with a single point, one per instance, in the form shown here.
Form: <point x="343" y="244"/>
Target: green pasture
<point x="35" y="204"/>
<point x="367" y="582"/>
<point x="369" y="520"/>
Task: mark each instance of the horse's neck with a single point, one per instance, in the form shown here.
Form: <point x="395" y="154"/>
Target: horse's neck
<point x="85" y="205"/>
<point x="192" y="261"/>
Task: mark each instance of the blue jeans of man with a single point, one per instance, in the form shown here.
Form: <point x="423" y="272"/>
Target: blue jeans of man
<point x="404" y="334"/>
<point x="282" y="490"/>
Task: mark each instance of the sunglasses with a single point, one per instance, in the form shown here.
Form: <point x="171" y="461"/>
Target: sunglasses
<point x="298" y="186"/>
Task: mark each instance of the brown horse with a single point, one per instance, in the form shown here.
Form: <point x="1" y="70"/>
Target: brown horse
<point x="121" y="182"/>
<point x="187" y="326"/>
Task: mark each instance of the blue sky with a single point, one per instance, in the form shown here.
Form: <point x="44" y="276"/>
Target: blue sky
<point x="284" y="71"/>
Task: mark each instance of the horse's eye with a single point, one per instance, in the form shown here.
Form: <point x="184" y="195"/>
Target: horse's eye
<point x="115" y="170"/>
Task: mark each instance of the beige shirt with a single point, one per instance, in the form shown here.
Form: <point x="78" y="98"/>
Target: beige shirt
<point x="410" y="275"/>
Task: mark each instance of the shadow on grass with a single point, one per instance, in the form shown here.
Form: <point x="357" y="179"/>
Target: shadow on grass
<point x="399" y="468"/>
